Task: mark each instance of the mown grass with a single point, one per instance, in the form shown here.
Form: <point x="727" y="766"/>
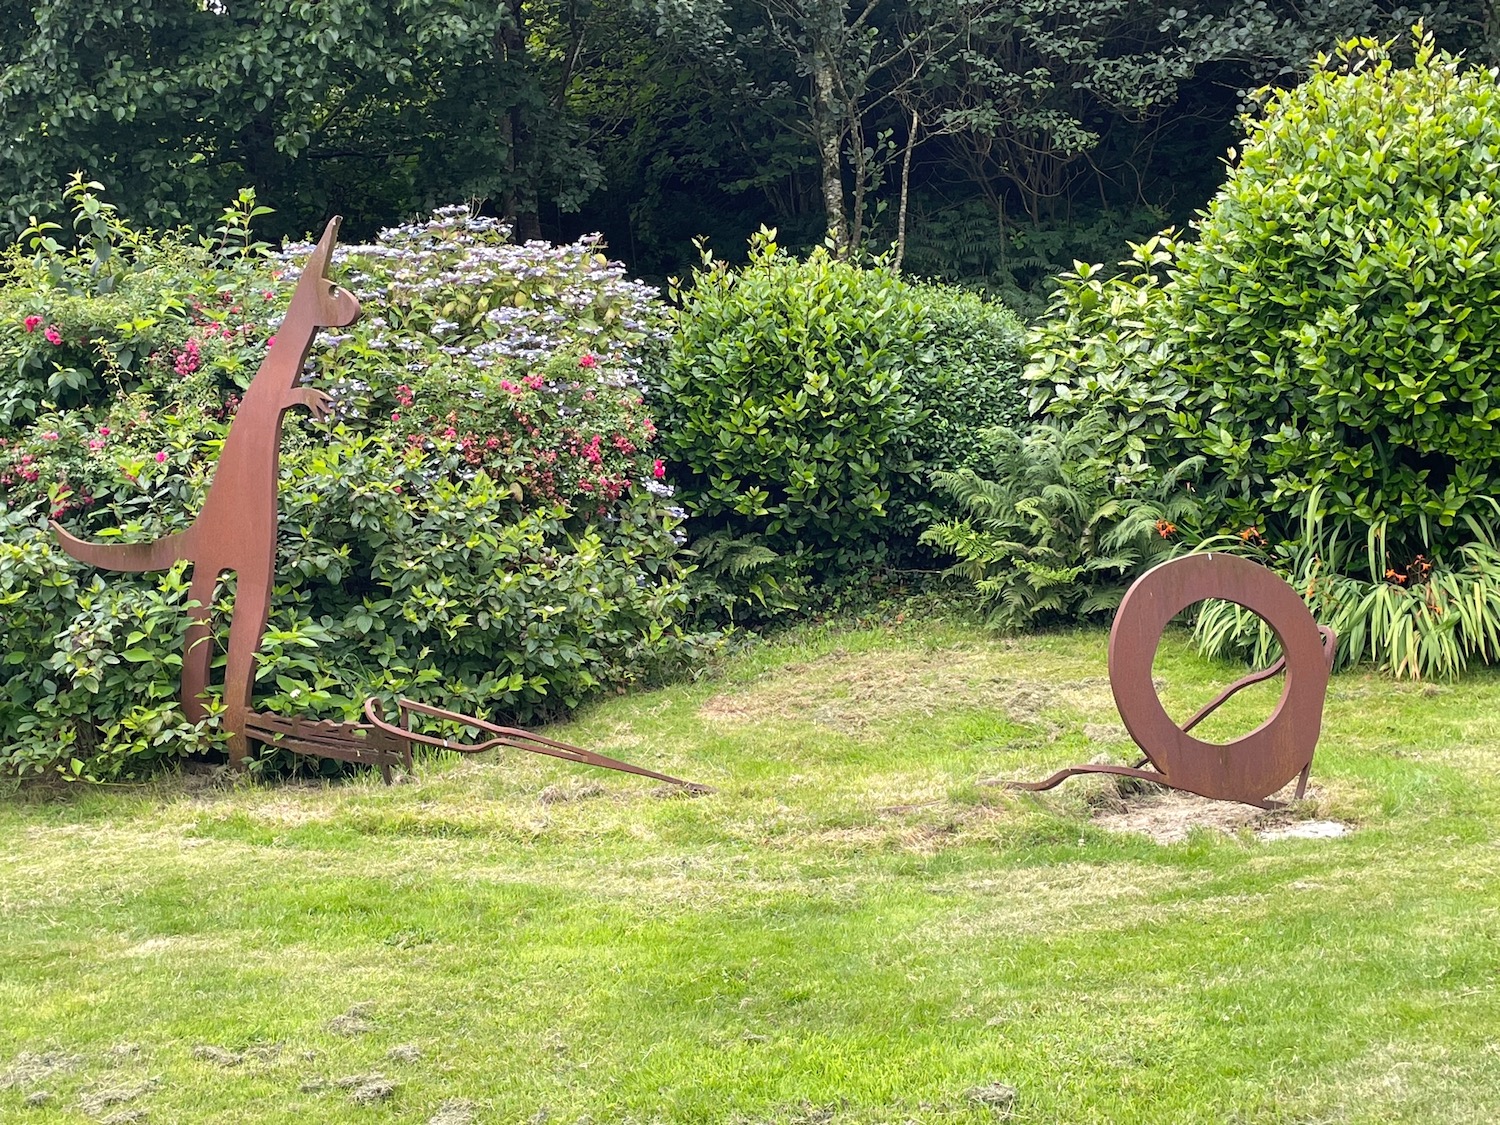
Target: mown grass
<point x="851" y="929"/>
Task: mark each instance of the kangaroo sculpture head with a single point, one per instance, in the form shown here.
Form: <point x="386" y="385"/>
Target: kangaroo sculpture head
<point x="329" y="305"/>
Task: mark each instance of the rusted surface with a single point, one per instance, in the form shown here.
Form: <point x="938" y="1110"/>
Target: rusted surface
<point x="388" y="745"/>
<point x="236" y="530"/>
<point x="1249" y="768"/>
<point x="344" y="742"/>
<point x="513" y="738"/>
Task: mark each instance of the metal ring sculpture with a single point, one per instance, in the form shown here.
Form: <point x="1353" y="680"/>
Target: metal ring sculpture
<point x="1249" y="768"/>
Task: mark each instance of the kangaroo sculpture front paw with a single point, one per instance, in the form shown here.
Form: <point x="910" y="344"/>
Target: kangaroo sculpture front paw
<point x="318" y="404"/>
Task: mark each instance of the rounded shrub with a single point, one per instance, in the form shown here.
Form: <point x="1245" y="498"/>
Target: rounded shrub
<point x="481" y="523"/>
<point x="785" y="400"/>
<point x="1329" y="343"/>
<point x="969" y="377"/>
<point x="1336" y="319"/>
<point x="805" y="402"/>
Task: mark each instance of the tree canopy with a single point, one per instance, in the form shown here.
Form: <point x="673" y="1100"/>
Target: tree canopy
<point x="964" y="128"/>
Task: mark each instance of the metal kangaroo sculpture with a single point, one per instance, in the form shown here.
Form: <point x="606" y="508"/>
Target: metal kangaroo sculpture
<point x="236" y="529"/>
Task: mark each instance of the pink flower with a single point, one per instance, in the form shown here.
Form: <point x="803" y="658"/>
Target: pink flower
<point x="450" y="432"/>
<point x="189" y="359"/>
<point x="54" y="337"/>
<point x="270" y="340"/>
<point x="160" y="457"/>
<point x="588" y="361"/>
<point x="50" y="435"/>
<point x="658" y="470"/>
<point x="31" y="323"/>
<point x="395" y="415"/>
<point x="104" y="431"/>
<point x="96" y="443"/>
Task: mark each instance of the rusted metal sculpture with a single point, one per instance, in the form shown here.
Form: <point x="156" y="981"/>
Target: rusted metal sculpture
<point x="236" y="531"/>
<point x="388" y="745"/>
<point x="511" y="737"/>
<point x="359" y="743"/>
<point x="1249" y="768"/>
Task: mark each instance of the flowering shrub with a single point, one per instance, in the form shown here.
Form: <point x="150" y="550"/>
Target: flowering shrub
<point x="482" y="522"/>
<point x="1326" y="340"/>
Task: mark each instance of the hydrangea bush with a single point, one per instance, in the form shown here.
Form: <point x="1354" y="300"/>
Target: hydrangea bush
<point x="482" y="522"/>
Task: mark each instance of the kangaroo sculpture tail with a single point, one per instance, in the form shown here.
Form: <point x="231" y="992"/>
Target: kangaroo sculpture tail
<point x="156" y="555"/>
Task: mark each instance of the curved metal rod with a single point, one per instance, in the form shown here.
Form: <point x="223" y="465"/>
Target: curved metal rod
<point x="1329" y="640"/>
<point x="1073" y="771"/>
<point x="511" y="737"/>
<point x="1128" y="771"/>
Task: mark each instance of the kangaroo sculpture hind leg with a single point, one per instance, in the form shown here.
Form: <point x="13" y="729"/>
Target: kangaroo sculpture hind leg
<point x="236" y="529"/>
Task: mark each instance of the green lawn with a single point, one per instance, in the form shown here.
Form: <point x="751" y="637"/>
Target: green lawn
<point x="850" y="930"/>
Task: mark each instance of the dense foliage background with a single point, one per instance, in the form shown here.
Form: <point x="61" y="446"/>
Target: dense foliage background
<point x="543" y="480"/>
<point x="994" y="141"/>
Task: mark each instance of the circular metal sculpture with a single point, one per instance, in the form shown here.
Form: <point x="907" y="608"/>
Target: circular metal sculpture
<point x="1249" y="768"/>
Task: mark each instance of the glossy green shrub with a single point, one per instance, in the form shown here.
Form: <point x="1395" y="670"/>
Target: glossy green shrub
<point x="1329" y="343"/>
<point x="786" y="401"/>
<point x="483" y="522"/>
<point x="1332" y="328"/>
<point x="806" y="402"/>
<point x="968" y="376"/>
<point x="1336" y="316"/>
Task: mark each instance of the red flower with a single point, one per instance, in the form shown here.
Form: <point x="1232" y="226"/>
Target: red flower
<point x="31" y="323"/>
<point x="658" y="470"/>
<point x="588" y="361"/>
<point x="54" y="337"/>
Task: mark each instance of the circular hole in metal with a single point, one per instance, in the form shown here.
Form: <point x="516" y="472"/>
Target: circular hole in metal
<point x="1187" y="682"/>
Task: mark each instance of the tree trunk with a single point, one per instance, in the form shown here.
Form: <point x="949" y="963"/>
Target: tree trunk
<point x="518" y="203"/>
<point x="829" y="134"/>
<point x="911" y="142"/>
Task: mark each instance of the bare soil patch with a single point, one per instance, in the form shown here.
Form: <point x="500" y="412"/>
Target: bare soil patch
<point x="1169" y="816"/>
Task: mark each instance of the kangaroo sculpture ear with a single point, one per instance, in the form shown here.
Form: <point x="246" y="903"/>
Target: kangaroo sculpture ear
<point x="322" y="255"/>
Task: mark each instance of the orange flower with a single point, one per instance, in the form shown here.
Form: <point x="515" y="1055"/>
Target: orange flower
<point x="1165" y="529"/>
